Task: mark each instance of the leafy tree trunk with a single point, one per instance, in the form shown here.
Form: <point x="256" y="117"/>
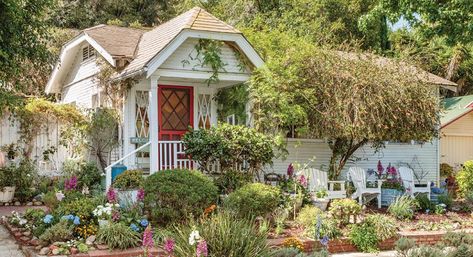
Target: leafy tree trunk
<point x="342" y="151"/>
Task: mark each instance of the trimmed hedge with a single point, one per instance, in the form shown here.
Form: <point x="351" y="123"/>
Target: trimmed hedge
<point x="171" y="196"/>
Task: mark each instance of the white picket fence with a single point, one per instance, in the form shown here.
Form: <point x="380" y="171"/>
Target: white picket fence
<point x="48" y="137"/>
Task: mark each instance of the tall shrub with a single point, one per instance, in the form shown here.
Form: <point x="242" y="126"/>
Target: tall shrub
<point x="465" y="178"/>
<point x="174" y="195"/>
<point x="230" y="146"/>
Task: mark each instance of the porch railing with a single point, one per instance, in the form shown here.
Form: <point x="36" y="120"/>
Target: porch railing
<point x="108" y="169"/>
<point x="171" y="155"/>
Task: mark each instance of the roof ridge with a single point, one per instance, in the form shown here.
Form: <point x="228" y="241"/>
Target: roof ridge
<point x="94" y="27"/>
<point x="194" y="17"/>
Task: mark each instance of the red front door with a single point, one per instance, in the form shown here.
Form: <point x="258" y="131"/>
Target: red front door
<point x="175" y="111"/>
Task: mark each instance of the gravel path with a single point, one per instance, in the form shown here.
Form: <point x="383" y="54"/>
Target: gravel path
<point x="8" y="246"/>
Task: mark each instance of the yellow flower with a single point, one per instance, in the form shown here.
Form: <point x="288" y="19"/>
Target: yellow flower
<point x="294" y="243"/>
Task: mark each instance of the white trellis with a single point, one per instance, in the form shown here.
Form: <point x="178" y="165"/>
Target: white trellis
<point x="204" y="110"/>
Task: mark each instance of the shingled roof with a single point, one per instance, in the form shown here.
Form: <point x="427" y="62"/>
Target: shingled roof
<point x="117" y="41"/>
<point x="153" y="41"/>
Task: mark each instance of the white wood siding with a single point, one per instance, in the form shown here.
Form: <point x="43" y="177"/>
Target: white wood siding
<point x="47" y="138"/>
<point x="187" y="53"/>
<point x="456" y="143"/>
<point x="79" y="84"/>
<point x="301" y="151"/>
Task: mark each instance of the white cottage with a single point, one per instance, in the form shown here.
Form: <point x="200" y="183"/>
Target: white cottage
<point x="172" y="93"/>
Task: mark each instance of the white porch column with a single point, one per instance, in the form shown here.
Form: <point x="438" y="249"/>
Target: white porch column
<point x="153" y="124"/>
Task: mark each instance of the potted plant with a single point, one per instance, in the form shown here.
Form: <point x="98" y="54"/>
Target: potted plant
<point x="127" y="184"/>
<point x="320" y="200"/>
<point x="7" y="183"/>
<point x="392" y="186"/>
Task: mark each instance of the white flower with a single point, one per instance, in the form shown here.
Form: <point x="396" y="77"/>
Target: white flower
<point x="193" y="237"/>
<point x="22" y="221"/>
<point x="59" y="196"/>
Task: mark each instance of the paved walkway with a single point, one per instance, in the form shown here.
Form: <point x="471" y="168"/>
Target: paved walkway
<point x="8" y="246"/>
<point x="380" y="254"/>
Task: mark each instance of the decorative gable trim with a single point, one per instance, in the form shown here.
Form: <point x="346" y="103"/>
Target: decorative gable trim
<point x="169" y="49"/>
<point x="53" y="85"/>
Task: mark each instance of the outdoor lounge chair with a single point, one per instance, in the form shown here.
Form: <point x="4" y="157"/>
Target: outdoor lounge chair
<point x="318" y="180"/>
<point x="408" y="180"/>
<point x="363" y="192"/>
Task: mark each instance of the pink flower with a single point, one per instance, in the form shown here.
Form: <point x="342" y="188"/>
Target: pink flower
<point x="111" y="195"/>
<point x="290" y="170"/>
<point x="70" y="184"/>
<point x="392" y="171"/>
<point x="115" y="215"/>
<point x="141" y="195"/>
<point x="169" y="246"/>
<point x="380" y="169"/>
<point x="202" y="249"/>
<point x="303" y="181"/>
<point x="148" y="241"/>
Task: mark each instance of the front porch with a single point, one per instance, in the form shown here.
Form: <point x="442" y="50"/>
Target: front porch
<point x="159" y="111"/>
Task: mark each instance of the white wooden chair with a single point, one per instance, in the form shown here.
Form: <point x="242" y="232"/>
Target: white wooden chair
<point x="318" y="180"/>
<point x="408" y="180"/>
<point x="358" y="177"/>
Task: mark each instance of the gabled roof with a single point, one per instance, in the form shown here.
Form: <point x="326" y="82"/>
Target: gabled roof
<point x="138" y="46"/>
<point x="117" y="41"/>
<point x="455" y="108"/>
<point x="152" y="42"/>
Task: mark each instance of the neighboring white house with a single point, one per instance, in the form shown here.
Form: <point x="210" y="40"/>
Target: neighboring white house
<point x="172" y="91"/>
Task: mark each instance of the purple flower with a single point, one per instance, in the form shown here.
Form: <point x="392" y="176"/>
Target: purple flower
<point x="169" y="246"/>
<point x="290" y="170"/>
<point x="112" y="195"/>
<point x="70" y="184"/>
<point x="141" y="195"/>
<point x="148" y="241"/>
<point x="324" y="241"/>
<point x="202" y="249"/>
<point x="115" y="215"/>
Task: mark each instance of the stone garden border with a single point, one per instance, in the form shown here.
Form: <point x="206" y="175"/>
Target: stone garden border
<point x="30" y="246"/>
<point x="344" y="245"/>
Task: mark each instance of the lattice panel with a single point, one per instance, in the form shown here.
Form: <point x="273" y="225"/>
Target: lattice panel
<point x="204" y="108"/>
<point x="141" y="113"/>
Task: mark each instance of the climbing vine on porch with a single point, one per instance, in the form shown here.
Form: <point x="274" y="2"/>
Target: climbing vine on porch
<point x="115" y="90"/>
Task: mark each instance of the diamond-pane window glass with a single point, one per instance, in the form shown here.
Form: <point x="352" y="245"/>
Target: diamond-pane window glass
<point x="204" y="106"/>
<point x="141" y="114"/>
<point x="175" y="109"/>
